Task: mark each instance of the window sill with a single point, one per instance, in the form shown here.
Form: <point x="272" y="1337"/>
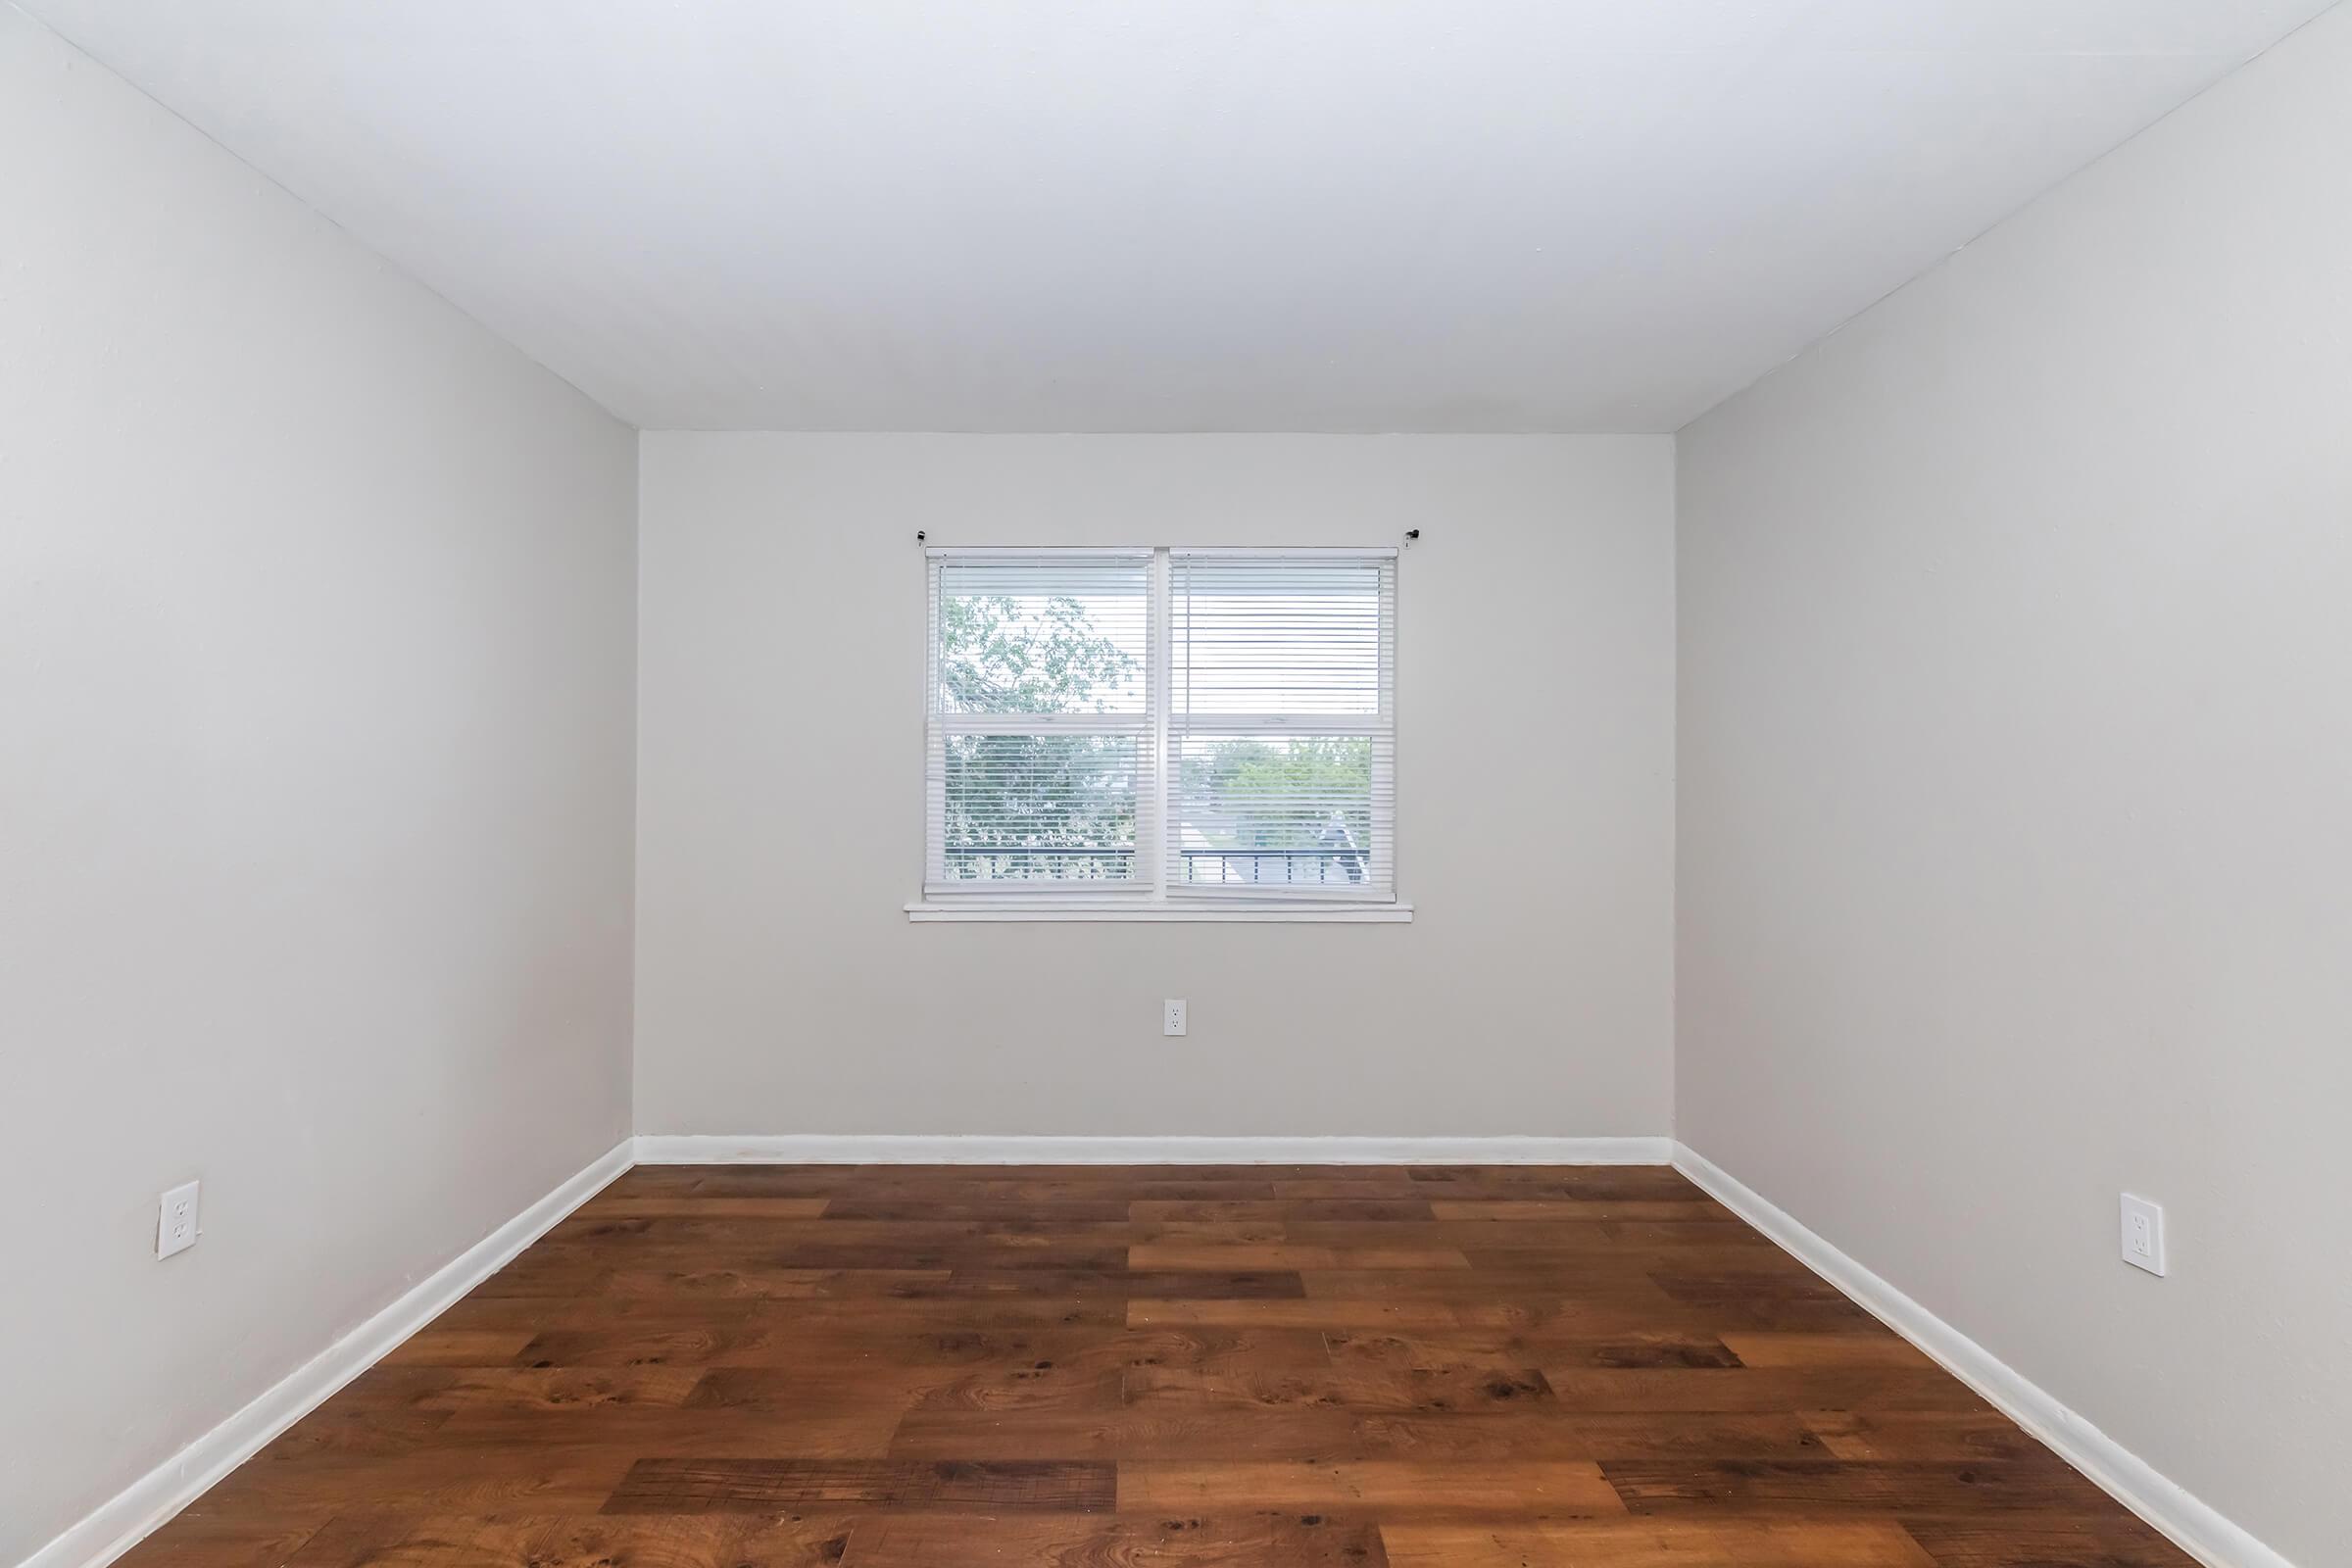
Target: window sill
<point x="1172" y="913"/>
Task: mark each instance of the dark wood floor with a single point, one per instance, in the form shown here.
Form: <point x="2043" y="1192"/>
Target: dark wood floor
<point x="1310" y="1367"/>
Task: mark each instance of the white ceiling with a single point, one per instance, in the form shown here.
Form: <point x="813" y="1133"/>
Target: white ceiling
<point x="1167" y="215"/>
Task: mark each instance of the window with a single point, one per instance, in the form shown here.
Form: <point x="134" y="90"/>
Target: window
<point x="1161" y="734"/>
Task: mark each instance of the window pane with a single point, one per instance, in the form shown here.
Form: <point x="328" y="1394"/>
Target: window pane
<point x="1275" y="810"/>
<point x="1042" y="638"/>
<point x="1021" y="807"/>
<point x="1279" y="637"/>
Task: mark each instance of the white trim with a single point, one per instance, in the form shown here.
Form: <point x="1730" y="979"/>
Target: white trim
<point x="1296" y="914"/>
<point x="1369" y="725"/>
<point x="967" y="553"/>
<point x="1039" y="892"/>
<point x="1160" y="664"/>
<point x="1273" y="894"/>
<point x="828" y="1149"/>
<point x="2190" y="1524"/>
<point x="1292" y="553"/>
<point x="1042" y="724"/>
<point x="148" y="1504"/>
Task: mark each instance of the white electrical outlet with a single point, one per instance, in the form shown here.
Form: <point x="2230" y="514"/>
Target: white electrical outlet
<point x="176" y="1221"/>
<point x="2143" y="1234"/>
<point x="1171" y="1020"/>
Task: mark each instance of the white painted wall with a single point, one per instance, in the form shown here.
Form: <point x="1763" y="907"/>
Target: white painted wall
<point x="780" y="986"/>
<point x="2016" y="790"/>
<point x="315" y="628"/>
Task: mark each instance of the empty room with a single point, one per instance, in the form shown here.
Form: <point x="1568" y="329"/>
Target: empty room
<point x="1176" y="783"/>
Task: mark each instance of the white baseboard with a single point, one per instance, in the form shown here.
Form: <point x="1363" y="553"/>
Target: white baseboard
<point x="820" y="1148"/>
<point x="150" y="1502"/>
<point x="2188" y="1523"/>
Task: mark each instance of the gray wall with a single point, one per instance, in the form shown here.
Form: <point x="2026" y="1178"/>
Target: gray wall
<point x="2016" y="789"/>
<point x="780" y="986"/>
<point x="315" y="637"/>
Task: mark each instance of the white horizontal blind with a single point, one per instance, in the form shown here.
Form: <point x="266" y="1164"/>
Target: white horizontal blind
<point x="1281" y="741"/>
<point x="1042" y="761"/>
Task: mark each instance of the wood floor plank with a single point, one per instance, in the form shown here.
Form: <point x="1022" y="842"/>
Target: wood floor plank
<point x="1697" y="1435"/>
<point x="1506" y="1349"/>
<point x="1179" y="1541"/>
<point x="1360" y="1210"/>
<point x="1556" y="1181"/>
<point x="987" y="1210"/>
<point x="1492" y="1281"/>
<point x="1651" y="1544"/>
<point x="528" y="1389"/>
<point x="863" y="1432"/>
<point x="1511" y="1209"/>
<point x="1310" y="1314"/>
<point x="1118" y="1367"/>
<point x="670" y="1485"/>
<point x="768" y="1540"/>
<point x="1365" y="1387"/>
<point x="449" y="1479"/>
<point x="1383" y="1488"/>
<point x="1919" y="1435"/>
<point x="627" y="1344"/>
<point x="440" y="1346"/>
<point x="1172" y="1256"/>
<point x="1669" y="1389"/>
<point x="1844" y="1486"/>
<point x="1873" y="1346"/>
<point x="1075" y="1385"/>
<point x="209" y="1538"/>
<point x="2111" y="1539"/>
<point x="689" y="1207"/>
<point x="763" y="1282"/>
<point x="1149" y="1432"/>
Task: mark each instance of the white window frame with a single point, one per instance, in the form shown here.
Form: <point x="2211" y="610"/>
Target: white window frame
<point x="1153" y="895"/>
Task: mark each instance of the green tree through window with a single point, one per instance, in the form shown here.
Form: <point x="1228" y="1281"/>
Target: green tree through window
<point x="1303" y="802"/>
<point x="1040" y="804"/>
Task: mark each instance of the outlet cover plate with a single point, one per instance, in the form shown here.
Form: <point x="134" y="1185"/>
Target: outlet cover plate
<point x="2143" y="1240"/>
<point x="175" y="1220"/>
